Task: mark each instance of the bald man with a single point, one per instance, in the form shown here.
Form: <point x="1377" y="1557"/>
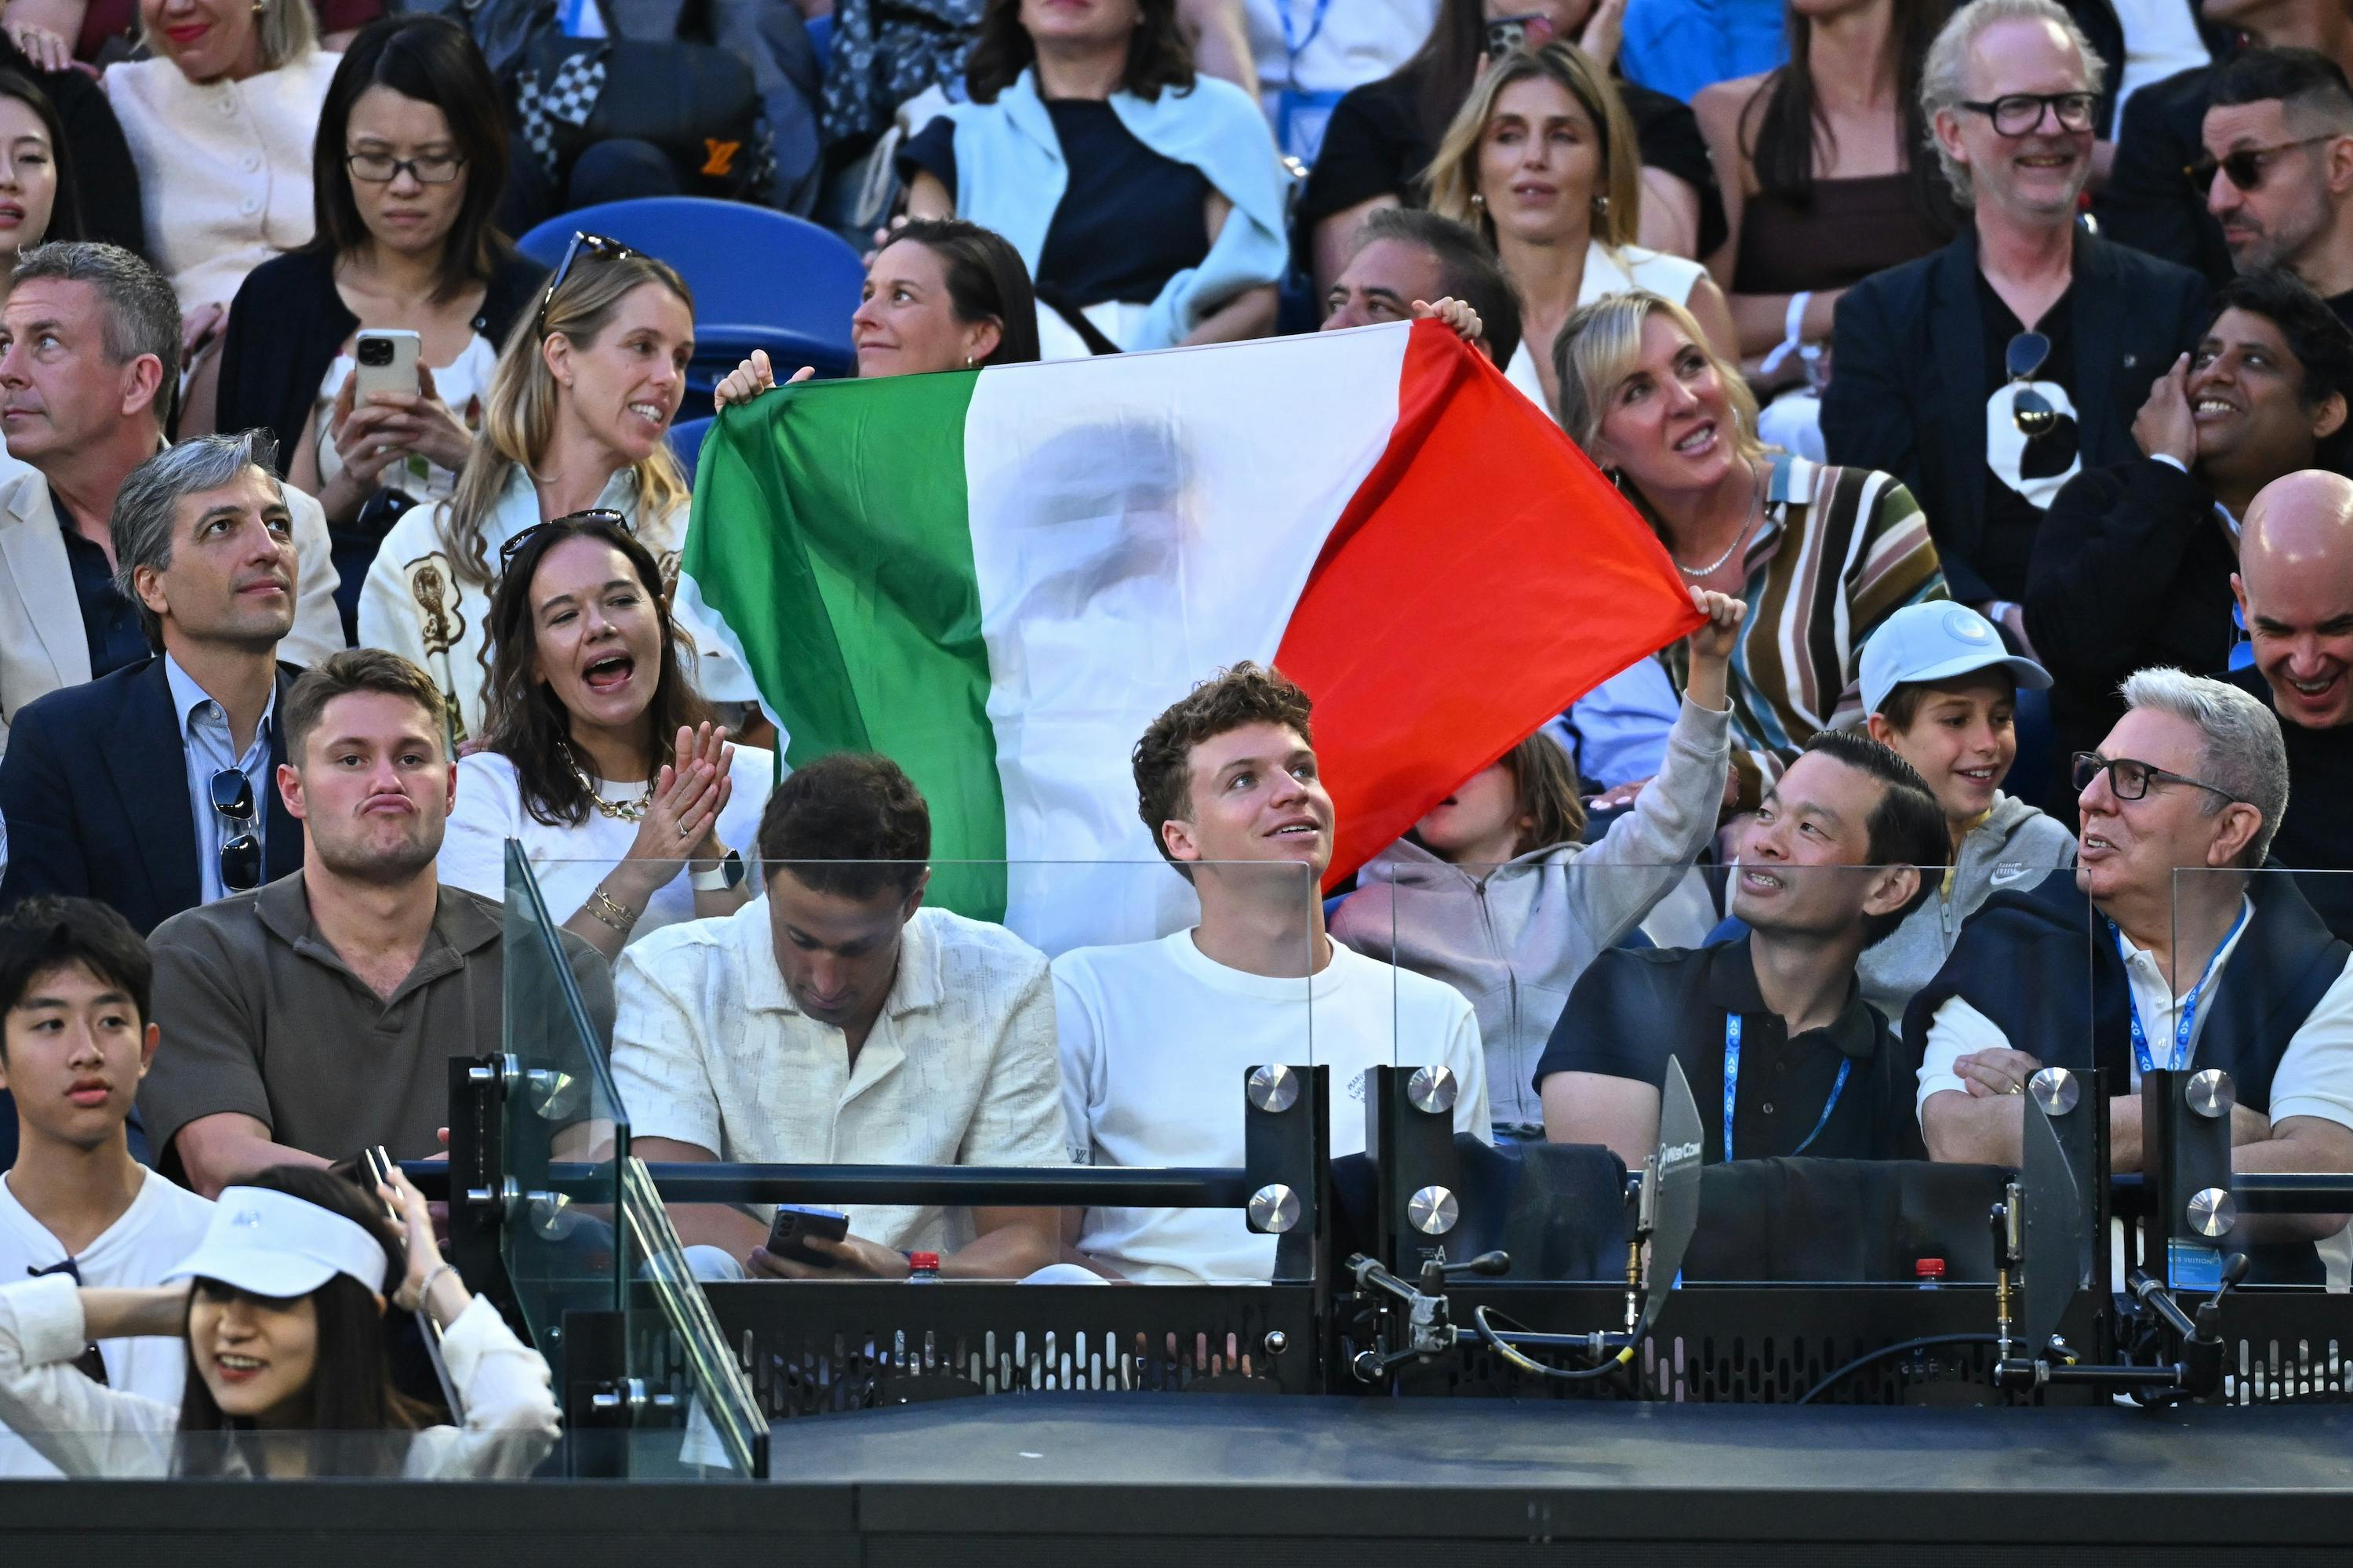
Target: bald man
<point x="2294" y="588"/>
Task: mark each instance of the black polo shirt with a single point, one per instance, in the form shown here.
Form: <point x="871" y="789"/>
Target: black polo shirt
<point x="1633" y="1008"/>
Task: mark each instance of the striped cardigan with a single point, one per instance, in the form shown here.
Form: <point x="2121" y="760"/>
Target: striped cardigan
<point x="1841" y="550"/>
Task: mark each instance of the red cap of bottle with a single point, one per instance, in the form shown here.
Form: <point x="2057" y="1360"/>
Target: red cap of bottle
<point x="929" y="1262"/>
<point x="1929" y="1268"/>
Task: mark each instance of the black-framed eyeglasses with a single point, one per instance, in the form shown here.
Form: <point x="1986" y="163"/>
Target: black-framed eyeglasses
<point x="508" y="551"/>
<point x="2245" y="167"/>
<point x="601" y="247"/>
<point x="2031" y="411"/>
<point x="240" y="855"/>
<point x="2129" y="780"/>
<point x="2018" y="114"/>
<point x="383" y="169"/>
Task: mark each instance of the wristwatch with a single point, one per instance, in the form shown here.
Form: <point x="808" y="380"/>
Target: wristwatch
<point x="725" y="877"/>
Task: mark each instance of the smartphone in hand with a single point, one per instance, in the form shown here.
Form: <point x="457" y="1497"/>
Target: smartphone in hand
<point x="789" y="1233"/>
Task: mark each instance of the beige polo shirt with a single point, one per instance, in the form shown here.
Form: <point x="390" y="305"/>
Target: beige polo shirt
<point x="260" y="1015"/>
<point x="960" y="1069"/>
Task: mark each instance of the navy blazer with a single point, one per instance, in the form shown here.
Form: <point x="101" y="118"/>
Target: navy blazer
<point x="94" y="790"/>
<point x="1907" y="392"/>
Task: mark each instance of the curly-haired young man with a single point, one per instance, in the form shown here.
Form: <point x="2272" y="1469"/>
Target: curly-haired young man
<point x="1157" y="1037"/>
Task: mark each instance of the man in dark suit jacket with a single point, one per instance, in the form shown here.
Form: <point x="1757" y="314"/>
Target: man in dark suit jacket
<point x="2132" y="569"/>
<point x="1940" y="377"/>
<point x="2150" y="202"/>
<point x="153" y="788"/>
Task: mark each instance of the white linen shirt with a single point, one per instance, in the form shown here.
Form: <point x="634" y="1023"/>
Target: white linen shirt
<point x="224" y="166"/>
<point x="960" y="1068"/>
<point x="2315" y="1077"/>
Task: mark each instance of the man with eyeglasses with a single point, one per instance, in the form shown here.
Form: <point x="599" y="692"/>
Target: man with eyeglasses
<point x="1984" y="376"/>
<point x="2162" y="949"/>
<point x="2277" y="168"/>
<point x="2156" y="198"/>
<point x="2294" y="588"/>
<point x="91" y="784"/>
<point x="89" y="356"/>
<point x="2132" y="568"/>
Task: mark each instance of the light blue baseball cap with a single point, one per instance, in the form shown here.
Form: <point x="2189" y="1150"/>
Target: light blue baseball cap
<point x="1938" y="642"/>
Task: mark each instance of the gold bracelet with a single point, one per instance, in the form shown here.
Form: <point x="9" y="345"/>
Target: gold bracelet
<point x="609" y="911"/>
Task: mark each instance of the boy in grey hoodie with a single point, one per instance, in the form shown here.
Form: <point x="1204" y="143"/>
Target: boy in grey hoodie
<point x="1942" y="693"/>
<point x="1496" y="893"/>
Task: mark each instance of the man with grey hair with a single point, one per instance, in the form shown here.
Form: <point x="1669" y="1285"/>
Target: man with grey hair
<point x="2163" y="947"/>
<point x="89" y="355"/>
<point x="1986" y="375"/>
<point x="91" y="786"/>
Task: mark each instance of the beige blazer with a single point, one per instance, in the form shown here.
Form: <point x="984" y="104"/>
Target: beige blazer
<point x="42" y="644"/>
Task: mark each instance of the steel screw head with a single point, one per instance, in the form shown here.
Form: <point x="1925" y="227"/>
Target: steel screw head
<point x="1273" y="1209"/>
<point x="1277" y="1341"/>
<point x="1273" y="1088"/>
<point x="2212" y="1093"/>
<point x="1432" y="1211"/>
<point x="2056" y="1090"/>
<point x="2212" y="1212"/>
<point x="1432" y="1089"/>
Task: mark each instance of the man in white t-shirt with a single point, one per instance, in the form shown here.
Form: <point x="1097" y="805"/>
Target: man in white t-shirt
<point x="1157" y="1037"/>
<point x="74" y="1042"/>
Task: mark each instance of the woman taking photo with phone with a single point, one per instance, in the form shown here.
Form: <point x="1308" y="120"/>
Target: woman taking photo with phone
<point x="599" y="754"/>
<point x="577" y="419"/>
<point x="283" y="1311"/>
<point x="412" y="154"/>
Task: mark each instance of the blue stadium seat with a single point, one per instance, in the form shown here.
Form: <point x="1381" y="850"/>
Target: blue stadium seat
<point x="761" y="279"/>
<point x="686" y="440"/>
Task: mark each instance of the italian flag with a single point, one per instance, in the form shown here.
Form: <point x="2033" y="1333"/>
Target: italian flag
<point x="998" y="578"/>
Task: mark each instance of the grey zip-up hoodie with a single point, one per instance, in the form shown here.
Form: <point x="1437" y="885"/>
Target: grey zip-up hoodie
<point x="2015" y="845"/>
<point x="1516" y="941"/>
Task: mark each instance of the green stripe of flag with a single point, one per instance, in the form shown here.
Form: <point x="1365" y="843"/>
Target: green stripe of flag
<point x="830" y="534"/>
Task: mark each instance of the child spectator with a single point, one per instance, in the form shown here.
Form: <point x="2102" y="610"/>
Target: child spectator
<point x="75" y="1040"/>
<point x="1943" y="694"/>
<point x="1496" y="892"/>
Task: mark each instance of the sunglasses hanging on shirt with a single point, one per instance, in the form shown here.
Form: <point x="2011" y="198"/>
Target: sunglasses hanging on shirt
<point x="240" y="855"/>
<point x="2031" y="411"/>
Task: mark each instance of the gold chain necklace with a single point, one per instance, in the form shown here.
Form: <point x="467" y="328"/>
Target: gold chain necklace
<point x="618" y="811"/>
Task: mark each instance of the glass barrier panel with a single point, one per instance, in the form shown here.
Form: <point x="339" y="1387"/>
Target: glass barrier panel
<point x="679" y="1350"/>
<point x="2245" y="978"/>
<point x="440" y="1452"/>
<point x="564" y="1129"/>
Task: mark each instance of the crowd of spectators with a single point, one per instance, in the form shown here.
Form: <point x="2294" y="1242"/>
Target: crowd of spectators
<point x="1983" y="371"/>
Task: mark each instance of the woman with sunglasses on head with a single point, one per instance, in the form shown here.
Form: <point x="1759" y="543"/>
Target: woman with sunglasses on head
<point x="578" y="417"/>
<point x="599" y="754"/>
<point x="1541" y="160"/>
<point x="1820" y="555"/>
<point x="412" y="155"/>
<point x="283" y="1307"/>
<point x="220" y="121"/>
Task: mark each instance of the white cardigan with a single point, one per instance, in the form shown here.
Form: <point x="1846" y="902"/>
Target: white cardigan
<point x="224" y="166"/>
<point x="85" y="1428"/>
<point x="1612" y="271"/>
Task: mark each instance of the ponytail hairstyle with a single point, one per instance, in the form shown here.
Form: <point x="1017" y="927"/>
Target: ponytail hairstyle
<point x="519" y="413"/>
<point x="352" y="1389"/>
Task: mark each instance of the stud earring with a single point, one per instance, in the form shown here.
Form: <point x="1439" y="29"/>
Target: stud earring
<point x="1478" y="200"/>
<point x="1602" y="207"/>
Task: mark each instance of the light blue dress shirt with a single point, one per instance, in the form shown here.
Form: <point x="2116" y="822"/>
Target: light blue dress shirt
<point x="205" y="743"/>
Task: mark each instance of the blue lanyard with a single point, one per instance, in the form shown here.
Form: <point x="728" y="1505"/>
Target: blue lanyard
<point x="1731" y="1088"/>
<point x="1293" y="45"/>
<point x="2185" y="1021"/>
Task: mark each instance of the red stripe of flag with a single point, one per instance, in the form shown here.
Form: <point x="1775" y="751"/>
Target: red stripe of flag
<point x="1483" y="578"/>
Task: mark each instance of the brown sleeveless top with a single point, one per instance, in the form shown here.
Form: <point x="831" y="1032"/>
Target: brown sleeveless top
<point x="1851" y="230"/>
